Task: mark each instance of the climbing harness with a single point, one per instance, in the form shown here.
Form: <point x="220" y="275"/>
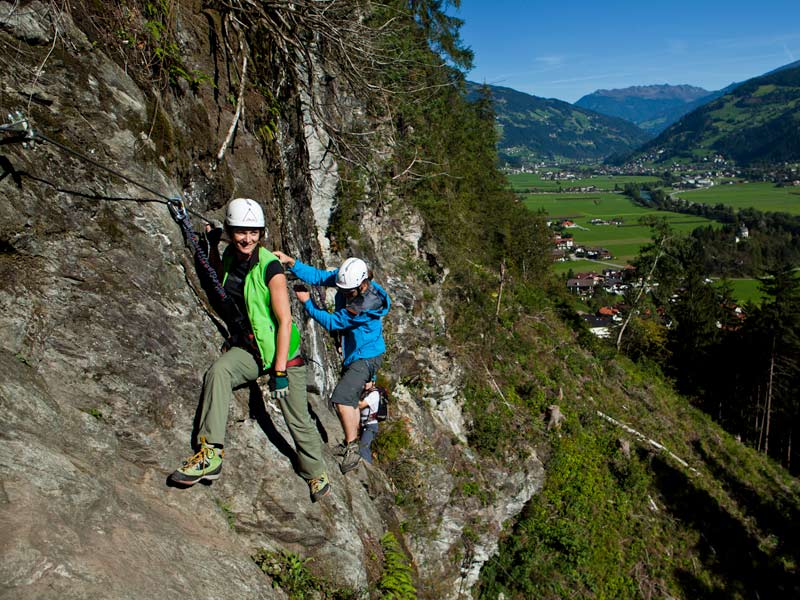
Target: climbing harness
<point x="21" y="126"/>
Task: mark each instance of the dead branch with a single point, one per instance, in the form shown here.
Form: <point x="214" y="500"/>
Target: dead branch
<point x="239" y="105"/>
<point x="496" y="387"/>
<point x="652" y="442"/>
<point x="56" y="20"/>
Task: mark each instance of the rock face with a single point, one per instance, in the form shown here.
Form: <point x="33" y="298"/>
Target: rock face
<point x="106" y="335"/>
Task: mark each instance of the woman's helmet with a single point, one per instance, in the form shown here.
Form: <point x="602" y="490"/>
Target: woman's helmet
<point x="351" y="274"/>
<point x="244" y="212"/>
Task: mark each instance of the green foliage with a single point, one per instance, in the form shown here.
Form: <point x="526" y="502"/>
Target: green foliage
<point x="491" y="421"/>
<point x="576" y="538"/>
<point x="162" y="41"/>
<point x="267" y="115"/>
<point x="392" y="440"/>
<point x="343" y="224"/>
<point x="289" y="572"/>
<point x="94" y="412"/>
<point x="396" y="581"/>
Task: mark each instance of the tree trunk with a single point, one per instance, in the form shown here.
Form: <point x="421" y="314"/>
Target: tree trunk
<point x="769" y="396"/>
<point x="761" y="417"/>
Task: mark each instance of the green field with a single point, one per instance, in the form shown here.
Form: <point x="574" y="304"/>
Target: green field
<point x="527" y="181"/>
<point x="761" y="196"/>
<point x="746" y="290"/>
<point x="622" y="241"/>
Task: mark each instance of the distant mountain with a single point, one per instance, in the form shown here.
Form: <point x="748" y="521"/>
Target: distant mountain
<point x="757" y="121"/>
<point x="534" y="128"/>
<point x="651" y="107"/>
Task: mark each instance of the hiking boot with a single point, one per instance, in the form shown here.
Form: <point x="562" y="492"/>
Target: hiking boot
<point x="351" y="457"/>
<point x="338" y="449"/>
<point x="206" y="464"/>
<point x="319" y="487"/>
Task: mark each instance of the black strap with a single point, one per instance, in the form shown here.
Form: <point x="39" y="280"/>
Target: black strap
<point x="233" y="316"/>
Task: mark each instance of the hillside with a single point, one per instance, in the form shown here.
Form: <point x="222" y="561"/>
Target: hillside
<point x="520" y="457"/>
<point x="652" y="107"/>
<point x="533" y="128"/>
<point x="755" y="122"/>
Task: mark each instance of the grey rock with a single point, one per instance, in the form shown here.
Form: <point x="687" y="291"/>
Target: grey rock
<point x="105" y="334"/>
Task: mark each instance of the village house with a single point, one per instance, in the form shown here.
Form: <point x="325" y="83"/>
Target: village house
<point x="583" y="288"/>
<point x="599" y="326"/>
<point x="598" y="253"/>
<point x="559" y="255"/>
<point x="563" y="243"/>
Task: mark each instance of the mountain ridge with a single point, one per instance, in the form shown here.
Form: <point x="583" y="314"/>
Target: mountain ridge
<point x="756" y="121"/>
<point x="534" y="128"/>
<point x="651" y="107"/>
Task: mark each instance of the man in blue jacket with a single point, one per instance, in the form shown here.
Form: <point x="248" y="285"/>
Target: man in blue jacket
<point x="359" y="309"/>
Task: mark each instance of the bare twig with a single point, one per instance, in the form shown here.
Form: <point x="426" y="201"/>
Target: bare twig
<point x="40" y="69"/>
<point x="500" y="292"/>
<point x="496" y="387"/>
<point x="642" y="289"/>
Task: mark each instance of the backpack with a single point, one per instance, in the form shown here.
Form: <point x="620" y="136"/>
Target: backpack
<point x="383" y="404"/>
<point x="383" y="401"/>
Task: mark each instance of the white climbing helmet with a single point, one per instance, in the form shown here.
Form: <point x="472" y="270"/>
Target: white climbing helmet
<point x="351" y="274"/>
<point x="244" y="212"/>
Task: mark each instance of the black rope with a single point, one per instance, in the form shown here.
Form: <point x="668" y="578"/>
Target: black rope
<point x="166" y="199"/>
<point x="177" y="209"/>
<point x="239" y="330"/>
<point x="26" y="134"/>
<point x="181" y="217"/>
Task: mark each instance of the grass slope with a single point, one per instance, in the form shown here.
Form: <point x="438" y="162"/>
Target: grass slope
<point x="646" y="497"/>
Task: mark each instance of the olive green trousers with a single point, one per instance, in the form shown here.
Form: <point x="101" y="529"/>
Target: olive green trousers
<point x="237" y="367"/>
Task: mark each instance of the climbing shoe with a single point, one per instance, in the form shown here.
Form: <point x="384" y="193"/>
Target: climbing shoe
<point x="319" y="487"/>
<point x="351" y="457"/>
<point x="206" y="464"/>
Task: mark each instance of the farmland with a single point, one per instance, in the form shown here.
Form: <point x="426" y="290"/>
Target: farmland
<point x="529" y="181"/>
<point x="765" y="197"/>
<point x="622" y="241"/>
<point x="746" y="290"/>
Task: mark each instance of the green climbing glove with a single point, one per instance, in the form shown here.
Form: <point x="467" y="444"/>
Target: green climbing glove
<point x="279" y="385"/>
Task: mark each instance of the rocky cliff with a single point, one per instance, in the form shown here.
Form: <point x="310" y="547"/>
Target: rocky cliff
<point x="106" y="332"/>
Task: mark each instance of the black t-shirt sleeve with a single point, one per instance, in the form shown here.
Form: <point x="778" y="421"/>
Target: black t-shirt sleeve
<point x="273" y="268"/>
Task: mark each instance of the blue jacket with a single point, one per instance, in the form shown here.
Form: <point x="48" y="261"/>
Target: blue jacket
<point x="360" y="322"/>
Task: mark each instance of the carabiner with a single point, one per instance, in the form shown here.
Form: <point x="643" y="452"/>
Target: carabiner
<point x="177" y="209"/>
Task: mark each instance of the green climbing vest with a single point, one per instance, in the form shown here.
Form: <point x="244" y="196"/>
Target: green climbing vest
<point x="259" y="309"/>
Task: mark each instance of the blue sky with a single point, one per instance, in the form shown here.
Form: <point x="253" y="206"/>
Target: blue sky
<point x="565" y="49"/>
